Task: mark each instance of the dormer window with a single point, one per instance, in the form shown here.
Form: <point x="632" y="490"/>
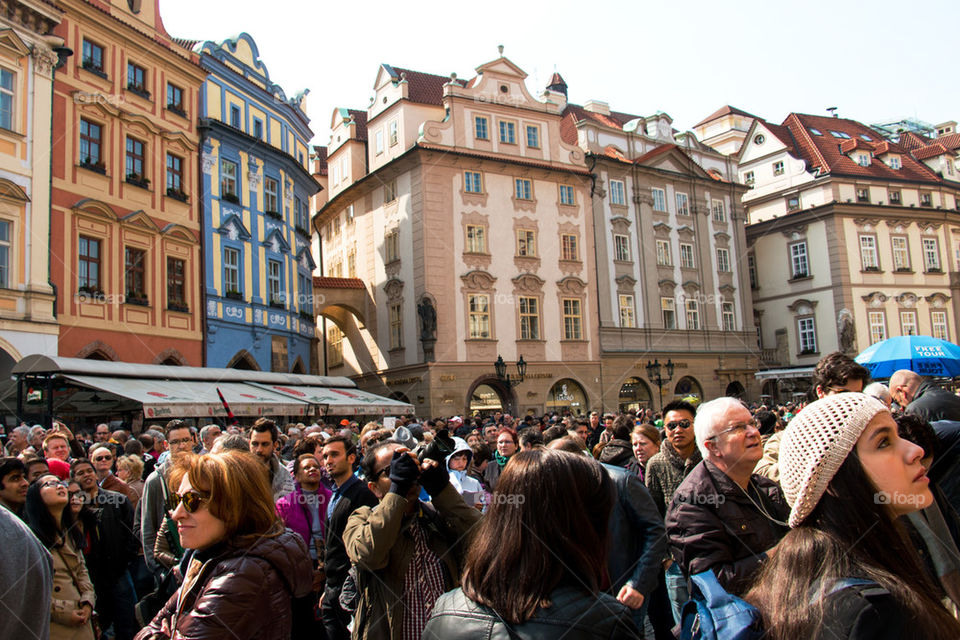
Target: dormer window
<point x="863" y="160"/>
<point x="840" y="134"/>
<point x="895" y="162"/>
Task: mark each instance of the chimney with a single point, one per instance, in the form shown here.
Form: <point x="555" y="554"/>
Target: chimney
<point x="596" y="106"/>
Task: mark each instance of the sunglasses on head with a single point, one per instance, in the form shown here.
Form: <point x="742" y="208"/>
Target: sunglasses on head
<point x="191" y="501"/>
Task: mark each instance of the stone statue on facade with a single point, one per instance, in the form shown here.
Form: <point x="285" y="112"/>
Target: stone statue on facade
<point x="846" y="331"/>
<point x="428" y="319"/>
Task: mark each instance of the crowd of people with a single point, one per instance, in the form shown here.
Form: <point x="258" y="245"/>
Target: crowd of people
<point x="833" y="518"/>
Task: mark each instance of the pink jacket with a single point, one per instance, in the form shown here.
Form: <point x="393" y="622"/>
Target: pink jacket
<point x="292" y="509"/>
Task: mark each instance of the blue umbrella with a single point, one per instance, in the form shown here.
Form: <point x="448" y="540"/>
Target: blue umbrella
<point x="923" y="354"/>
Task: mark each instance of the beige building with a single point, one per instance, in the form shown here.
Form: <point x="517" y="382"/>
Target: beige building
<point x="853" y="239"/>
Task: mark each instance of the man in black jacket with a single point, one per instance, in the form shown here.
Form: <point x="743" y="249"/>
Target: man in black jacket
<point x="339" y="455"/>
<point x="923" y="398"/>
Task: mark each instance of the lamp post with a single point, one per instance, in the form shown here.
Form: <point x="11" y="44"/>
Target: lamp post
<point x="654" y="374"/>
<point x="501" y="368"/>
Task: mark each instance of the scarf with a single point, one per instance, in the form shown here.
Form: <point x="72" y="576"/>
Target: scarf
<point x="501" y="460"/>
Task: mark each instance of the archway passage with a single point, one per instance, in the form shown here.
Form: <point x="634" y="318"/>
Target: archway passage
<point x="171" y="362"/>
<point x="735" y="390"/>
<point x="6" y="364"/>
<point x="634" y="395"/>
<point x="243" y="360"/>
<point x="97" y="355"/>
<point x="486" y="399"/>
<point x="687" y="387"/>
<point x="298" y="366"/>
<point x="567" y="396"/>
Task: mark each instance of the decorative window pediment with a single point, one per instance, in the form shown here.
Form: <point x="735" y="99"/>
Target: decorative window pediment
<point x="803" y="307"/>
<point x="305" y="260"/>
<point x="179" y="232"/>
<point x="140" y="219"/>
<point x="233" y="228"/>
<point x="875" y="299"/>
<point x="477" y="279"/>
<point x="393" y="288"/>
<point x="572" y="285"/>
<point x="95" y="207"/>
<point x="275" y="242"/>
<point x="528" y="282"/>
<point x="937" y="300"/>
<point x="667" y="287"/>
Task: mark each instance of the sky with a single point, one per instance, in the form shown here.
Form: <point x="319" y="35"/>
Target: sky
<point x="877" y="61"/>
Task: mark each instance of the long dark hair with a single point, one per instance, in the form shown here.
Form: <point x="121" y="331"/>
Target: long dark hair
<point x="557" y="507"/>
<point x="849" y="534"/>
<point x="41" y="521"/>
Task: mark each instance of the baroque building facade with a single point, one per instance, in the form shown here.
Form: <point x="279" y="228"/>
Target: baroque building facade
<point x="29" y="54"/>
<point x="256" y="185"/>
<point x="125" y="227"/>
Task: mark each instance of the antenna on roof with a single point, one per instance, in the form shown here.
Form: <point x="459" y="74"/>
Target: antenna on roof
<point x="500" y="49"/>
<point x="833" y="111"/>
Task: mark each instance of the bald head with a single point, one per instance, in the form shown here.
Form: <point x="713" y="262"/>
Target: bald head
<point x="903" y="386"/>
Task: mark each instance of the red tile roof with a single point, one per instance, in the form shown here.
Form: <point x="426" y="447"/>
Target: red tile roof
<point x="425" y="88"/>
<point x="724" y="111"/>
<point x="951" y="141"/>
<point x="575" y="113"/>
<point x="360" y="118"/>
<point x="932" y="151"/>
<point x="185" y="43"/>
<point x="320" y="159"/>
<point x="823" y="152"/>
<point x="326" y="282"/>
<point x="783" y="134"/>
<point x="653" y="153"/>
<point x="910" y="140"/>
<point x="503" y="158"/>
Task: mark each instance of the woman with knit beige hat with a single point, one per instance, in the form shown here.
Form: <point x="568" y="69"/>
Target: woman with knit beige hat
<point x="847" y="569"/>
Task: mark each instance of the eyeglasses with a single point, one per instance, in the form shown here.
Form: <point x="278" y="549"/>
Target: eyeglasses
<point x="74" y="494"/>
<point x="679" y="424"/>
<point x="102" y="458"/>
<point x="180" y="441"/>
<point x="54" y="483"/>
<point x="377" y="474"/>
<point x="191" y="501"/>
<point x="743" y="426"/>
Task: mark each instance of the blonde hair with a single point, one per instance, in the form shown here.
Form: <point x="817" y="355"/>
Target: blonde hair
<point x="132" y="464"/>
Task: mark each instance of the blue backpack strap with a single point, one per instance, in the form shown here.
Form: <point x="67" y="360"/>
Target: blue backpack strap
<point x="714" y="613"/>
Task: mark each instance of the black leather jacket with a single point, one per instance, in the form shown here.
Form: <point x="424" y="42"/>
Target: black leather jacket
<point x="637" y="540"/>
<point x="574" y="615"/>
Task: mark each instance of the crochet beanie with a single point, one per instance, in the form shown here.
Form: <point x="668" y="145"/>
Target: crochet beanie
<point x="815" y="444"/>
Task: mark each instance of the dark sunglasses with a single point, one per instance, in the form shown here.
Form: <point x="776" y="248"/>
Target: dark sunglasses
<point x="191" y="501"/>
<point x="679" y="424"/>
<point x="102" y="458"/>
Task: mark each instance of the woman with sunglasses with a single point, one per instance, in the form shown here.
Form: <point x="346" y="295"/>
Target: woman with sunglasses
<point x="52" y="521"/>
<point x="848" y="478"/>
<point x="243" y="568"/>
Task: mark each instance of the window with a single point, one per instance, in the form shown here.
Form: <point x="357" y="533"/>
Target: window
<point x="925" y="200"/>
<point x="664" y="256"/>
<point x="808" y="335"/>
<point x="749" y="178"/>
<point x="352" y="263"/>
<point x="868" y="253"/>
<point x="91" y="135"/>
<point x="533" y="137"/>
<point x="863" y="160"/>
<point x="793" y="203"/>
<point x="572" y="320"/>
<point x="693" y="313"/>
<point x="908" y="323"/>
<point x="175" y="99"/>
<point x="300" y="214"/>
<point x="815" y="132"/>
<point x="135" y="160"/>
<point x="476" y="239"/>
<point x="798" y="260"/>
<point x="134" y="274"/>
<point x="271" y="195"/>
<point x="390" y="191"/>
<point x="335" y="346"/>
<point x="137" y="79"/>
<point x="628" y="319"/>
<point x="379" y="141"/>
<point x="878" y="326"/>
<point x="479" y="315"/>
<point x="727" y="316"/>
<point x="508" y="132"/>
<point x="6" y="99"/>
<point x="568" y="247"/>
<point x="938" y="321"/>
<point x="840" y="134"/>
<point x="566" y="194"/>
<point x="863" y="195"/>
<point x="335" y="226"/>
<point x="274" y="282"/>
<point x="931" y="254"/>
<point x="617" y="192"/>
<point x="752" y="271"/>
<point x="894" y="162"/>
<point x="258" y="128"/>
<point x="4" y="254"/>
<point x="235" y="117"/>
<point x="391" y="246"/>
<point x="529" y="318"/>
<point x="659" y="199"/>
<point x="480" y="129"/>
<point x="231" y="270"/>
<point x="723" y="260"/>
<point x="472" y="182"/>
<point x="719" y="213"/>
<point x="88" y="264"/>
<point x="686" y="256"/>
<point x="894" y="197"/>
<point x="621" y="248"/>
<point x="523" y="189"/>
<point x="174" y="175"/>
<point x="668" y="309"/>
<point x="93" y="57"/>
<point x="683" y="205"/>
<point x="394" y="137"/>
<point x="901" y="253"/>
<point x="396" y="326"/>
<point x="526" y="242"/>
<point x="228" y="180"/>
<point x="778" y="168"/>
<point x="176" y="287"/>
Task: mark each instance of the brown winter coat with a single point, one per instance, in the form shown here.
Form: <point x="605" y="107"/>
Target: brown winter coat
<point x="71" y="589"/>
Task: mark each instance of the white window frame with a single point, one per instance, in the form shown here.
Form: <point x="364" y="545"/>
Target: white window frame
<point x="476" y="238"/>
<point x="687" y="258"/>
<point x="868" y="253"/>
<point x="231" y="267"/>
<point x="931" y="254"/>
<point x="807" y="335"/>
<point x="621" y="247"/>
<point x="659" y="199"/>
<point x="778" y="169"/>
<point x="275" y="281"/>
<point x="394" y="136"/>
<point x="572" y="318"/>
<point x="727" y="316"/>
<point x="535" y="129"/>
<point x="628" y="317"/>
<point x="664" y="253"/>
<point x="618" y="193"/>
<point x="877" y="322"/>
<point x="719" y="212"/>
<point x="940" y="327"/>
<point x="900" y="247"/>
<point x="668" y="309"/>
<point x="692" y="308"/>
<point x="749" y="178"/>
<point x="799" y="257"/>
<point x="908" y="321"/>
<point x="528" y="308"/>
<point x="723" y="260"/>
<point x="683" y="204"/>
<point x="508" y="132"/>
<point x="478" y="316"/>
<point x="378" y="144"/>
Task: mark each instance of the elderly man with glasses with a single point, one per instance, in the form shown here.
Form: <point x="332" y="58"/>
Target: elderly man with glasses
<point x="723" y="516"/>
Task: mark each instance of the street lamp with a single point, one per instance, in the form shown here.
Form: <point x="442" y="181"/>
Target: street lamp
<point x="501" y="368"/>
<point x="654" y="375"/>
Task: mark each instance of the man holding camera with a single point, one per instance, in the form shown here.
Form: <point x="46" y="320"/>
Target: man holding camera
<point x="407" y="552"/>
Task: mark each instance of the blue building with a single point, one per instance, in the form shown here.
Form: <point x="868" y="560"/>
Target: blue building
<point x="256" y="186"/>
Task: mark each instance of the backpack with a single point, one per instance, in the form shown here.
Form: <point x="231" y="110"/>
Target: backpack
<point x="714" y="614"/>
